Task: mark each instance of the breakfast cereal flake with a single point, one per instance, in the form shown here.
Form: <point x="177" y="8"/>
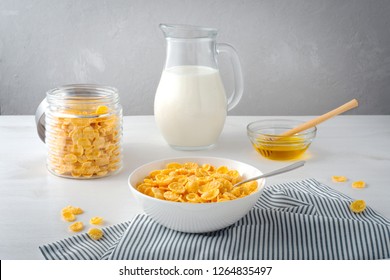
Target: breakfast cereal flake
<point x="338" y="179"/>
<point x="93" y="138"/>
<point x="359" y="184"/>
<point x="76" y="227"/>
<point x="68" y="216"/>
<point x="358" y="206"/>
<point x="95" y="233"/>
<point x="191" y="182"/>
<point x="72" y="209"/>
<point x="96" y="220"/>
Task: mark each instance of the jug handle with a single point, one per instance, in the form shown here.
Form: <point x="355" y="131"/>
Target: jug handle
<point x="40" y="119"/>
<point x="235" y="97"/>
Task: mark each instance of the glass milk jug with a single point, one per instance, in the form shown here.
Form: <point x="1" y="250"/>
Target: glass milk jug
<point x="190" y="104"/>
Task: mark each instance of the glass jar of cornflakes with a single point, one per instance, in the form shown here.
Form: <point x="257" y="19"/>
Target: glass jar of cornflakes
<point x="82" y="128"/>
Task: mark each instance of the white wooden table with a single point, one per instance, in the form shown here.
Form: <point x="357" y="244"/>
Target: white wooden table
<point x="31" y="198"/>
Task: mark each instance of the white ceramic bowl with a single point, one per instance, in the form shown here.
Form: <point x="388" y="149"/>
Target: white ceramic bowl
<point x="196" y="217"/>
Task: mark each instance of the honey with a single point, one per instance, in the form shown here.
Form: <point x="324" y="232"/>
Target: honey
<point x="284" y="148"/>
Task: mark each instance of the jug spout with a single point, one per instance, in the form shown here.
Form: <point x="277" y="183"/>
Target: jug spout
<point x="183" y="31"/>
<point x="190" y="45"/>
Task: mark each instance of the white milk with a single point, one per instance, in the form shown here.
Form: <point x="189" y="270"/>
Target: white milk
<point x="190" y="106"/>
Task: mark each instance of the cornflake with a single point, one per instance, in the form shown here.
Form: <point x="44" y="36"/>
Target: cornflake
<point x="76" y="227"/>
<point x="358" y="206"/>
<point x="96" y="221"/>
<point x="194" y="183"/>
<point x="85" y="146"/>
<point x="68" y="216"/>
<point x="359" y="184"/>
<point x="102" y="110"/>
<point x="73" y="210"/>
<point x="338" y="179"/>
<point x="95" y="233"/>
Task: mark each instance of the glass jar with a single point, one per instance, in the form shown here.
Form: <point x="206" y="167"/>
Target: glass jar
<point x="82" y="128"/>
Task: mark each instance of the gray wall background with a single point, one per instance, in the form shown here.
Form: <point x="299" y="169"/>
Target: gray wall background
<point x="298" y="57"/>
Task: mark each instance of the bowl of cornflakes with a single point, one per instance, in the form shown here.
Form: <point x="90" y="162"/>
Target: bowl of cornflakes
<point x="195" y="194"/>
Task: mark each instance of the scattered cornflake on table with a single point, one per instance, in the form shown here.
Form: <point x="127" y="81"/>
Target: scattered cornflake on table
<point x="69" y="213"/>
<point x="359" y="184"/>
<point x="73" y="210"/>
<point x="76" y="227"/>
<point x="68" y="216"/>
<point x="357" y="206"/>
<point x="96" y="220"/>
<point x="338" y="179"/>
<point x="95" y="233"/>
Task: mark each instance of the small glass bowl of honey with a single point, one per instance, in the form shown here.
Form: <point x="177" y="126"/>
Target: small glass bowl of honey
<point x="265" y="136"/>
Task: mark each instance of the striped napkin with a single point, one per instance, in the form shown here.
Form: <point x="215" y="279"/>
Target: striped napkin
<point x="303" y="220"/>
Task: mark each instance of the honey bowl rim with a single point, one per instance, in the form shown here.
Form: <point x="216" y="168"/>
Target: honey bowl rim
<point x="308" y="134"/>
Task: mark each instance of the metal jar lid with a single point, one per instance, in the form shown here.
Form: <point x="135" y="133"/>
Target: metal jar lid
<point x="40" y="119"/>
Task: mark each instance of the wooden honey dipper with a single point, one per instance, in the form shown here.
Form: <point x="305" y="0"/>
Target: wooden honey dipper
<point x="339" y="110"/>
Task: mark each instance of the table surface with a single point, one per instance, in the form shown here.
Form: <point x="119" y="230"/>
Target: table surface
<point x="31" y="198"/>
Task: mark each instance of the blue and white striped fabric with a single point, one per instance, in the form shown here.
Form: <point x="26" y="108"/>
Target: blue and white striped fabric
<point x="303" y="220"/>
